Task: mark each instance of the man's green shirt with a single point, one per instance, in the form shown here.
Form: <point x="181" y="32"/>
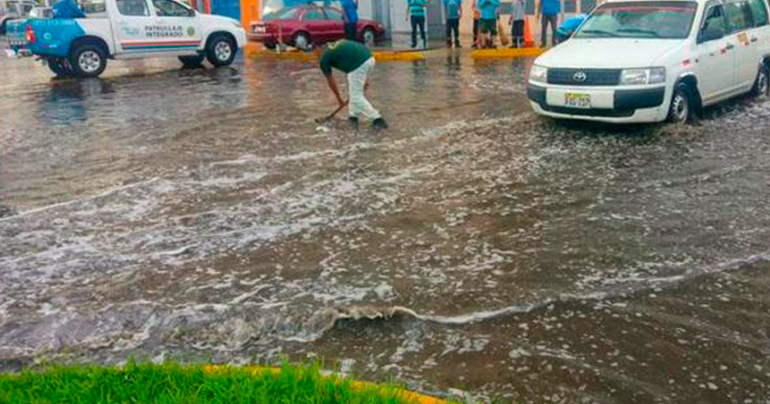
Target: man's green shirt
<point x="344" y="55"/>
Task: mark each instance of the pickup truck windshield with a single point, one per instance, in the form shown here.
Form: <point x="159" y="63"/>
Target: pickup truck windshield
<point x="640" y="20"/>
<point x="21" y="8"/>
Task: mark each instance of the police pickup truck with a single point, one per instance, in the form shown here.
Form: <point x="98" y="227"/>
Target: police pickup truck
<point x="123" y="29"/>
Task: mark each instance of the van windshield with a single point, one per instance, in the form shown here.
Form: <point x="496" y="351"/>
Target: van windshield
<point x="640" y="20"/>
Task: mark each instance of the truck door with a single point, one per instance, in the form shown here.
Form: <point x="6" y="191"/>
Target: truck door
<point x="177" y="28"/>
<point x="745" y="42"/>
<point x="714" y="52"/>
<point x="130" y="21"/>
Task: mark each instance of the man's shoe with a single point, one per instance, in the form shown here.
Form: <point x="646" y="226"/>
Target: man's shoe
<point x="457" y="45"/>
<point x="353" y="121"/>
<point x="379" y="124"/>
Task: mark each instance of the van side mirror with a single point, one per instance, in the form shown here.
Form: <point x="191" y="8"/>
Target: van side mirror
<point x="711" y="34"/>
<point x="192" y="13"/>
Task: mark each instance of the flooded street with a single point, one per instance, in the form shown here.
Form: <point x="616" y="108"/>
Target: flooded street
<point x="202" y="215"/>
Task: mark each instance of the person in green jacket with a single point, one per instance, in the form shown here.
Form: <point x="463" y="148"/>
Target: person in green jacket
<point x="357" y="62"/>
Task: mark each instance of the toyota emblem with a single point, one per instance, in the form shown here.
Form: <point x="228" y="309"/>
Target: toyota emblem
<point x="580" y="77"/>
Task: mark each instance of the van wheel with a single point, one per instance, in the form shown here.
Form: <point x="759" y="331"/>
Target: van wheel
<point x="221" y="50"/>
<point x="59" y="66"/>
<point x="681" y="110"/>
<point x="88" y="61"/>
<point x="761" y="88"/>
<point x="192" y="62"/>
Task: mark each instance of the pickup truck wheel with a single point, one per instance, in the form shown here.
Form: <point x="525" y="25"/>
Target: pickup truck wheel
<point x="761" y="88"/>
<point x="681" y="110"/>
<point x="88" y="61"/>
<point x="221" y="51"/>
<point x="192" y="62"/>
<point x="60" y="67"/>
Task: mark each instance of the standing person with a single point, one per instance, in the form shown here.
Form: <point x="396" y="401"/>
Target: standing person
<point x="488" y="21"/>
<point x="517" y="24"/>
<point x="550" y="10"/>
<point x="351" y="18"/>
<point x="415" y="12"/>
<point x="357" y="62"/>
<point x="569" y="26"/>
<point x="66" y="9"/>
<point x="476" y="19"/>
<point x="454" y="11"/>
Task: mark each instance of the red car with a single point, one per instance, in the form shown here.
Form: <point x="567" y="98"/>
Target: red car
<point x="311" y="24"/>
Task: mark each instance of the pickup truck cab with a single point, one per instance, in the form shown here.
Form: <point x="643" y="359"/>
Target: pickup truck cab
<point x="648" y="61"/>
<point x="123" y="29"/>
<point x="13" y="9"/>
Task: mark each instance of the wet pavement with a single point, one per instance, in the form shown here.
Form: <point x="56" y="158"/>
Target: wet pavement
<point x="201" y="215"/>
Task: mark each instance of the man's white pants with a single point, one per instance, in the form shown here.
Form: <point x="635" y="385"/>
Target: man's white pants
<point x="358" y="104"/>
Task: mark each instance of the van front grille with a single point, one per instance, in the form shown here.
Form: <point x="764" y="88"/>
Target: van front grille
<point x="584" y="77"/>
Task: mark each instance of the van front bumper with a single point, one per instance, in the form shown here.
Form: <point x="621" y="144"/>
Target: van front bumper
<point x="607" y="104"/>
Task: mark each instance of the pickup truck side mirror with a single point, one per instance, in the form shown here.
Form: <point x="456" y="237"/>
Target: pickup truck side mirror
<point x="710" y="34"/>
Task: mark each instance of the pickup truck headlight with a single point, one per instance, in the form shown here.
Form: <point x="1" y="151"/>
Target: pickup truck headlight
<point x="538" y="74"/>
<point x="651" y="75"/>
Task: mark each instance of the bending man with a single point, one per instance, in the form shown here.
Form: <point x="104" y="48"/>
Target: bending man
<point x="354" y="59"/>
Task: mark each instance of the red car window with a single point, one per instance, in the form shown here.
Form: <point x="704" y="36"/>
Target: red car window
<point x="333" y="14"/>
<point x="313" y="14"/>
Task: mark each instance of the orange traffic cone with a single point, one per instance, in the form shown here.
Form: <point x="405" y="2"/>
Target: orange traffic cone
<point x="528" y="41"/>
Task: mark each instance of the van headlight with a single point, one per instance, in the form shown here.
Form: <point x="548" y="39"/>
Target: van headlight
<point x="538" y="74"/>
<point x="651" y="75"/>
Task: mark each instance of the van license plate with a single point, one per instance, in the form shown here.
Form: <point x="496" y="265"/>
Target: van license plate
<point x="577" y="100"/>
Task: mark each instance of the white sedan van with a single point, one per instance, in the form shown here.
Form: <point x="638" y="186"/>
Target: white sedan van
<point x="649" y="61"/>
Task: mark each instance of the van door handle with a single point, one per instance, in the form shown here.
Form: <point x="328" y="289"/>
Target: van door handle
<point x="730" y="46"/>
<point x="754" y="40"/>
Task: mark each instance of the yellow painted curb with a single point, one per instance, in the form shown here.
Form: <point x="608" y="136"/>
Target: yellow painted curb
<point x="380" y="56"/>
<point x="284" y="55"/>
<point x="506" y="53"/>
<point x="389" y="56"/>
<point x="356" y="384"/>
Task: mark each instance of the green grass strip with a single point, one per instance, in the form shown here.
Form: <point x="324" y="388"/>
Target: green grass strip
<point x="171" y="383"/>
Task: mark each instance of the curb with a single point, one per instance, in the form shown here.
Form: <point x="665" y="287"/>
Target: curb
<point x="356" y="384"/>
<point x="380" y="56"/>
<point x="506" y="53"/>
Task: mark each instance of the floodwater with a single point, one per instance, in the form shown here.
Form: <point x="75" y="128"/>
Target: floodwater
<point x="201" y="215"/>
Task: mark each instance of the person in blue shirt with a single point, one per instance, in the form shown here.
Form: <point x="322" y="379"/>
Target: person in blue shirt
<point x="518" y="14"/>
<point x="488" y="21"/>
<point x="66" y="9"/>
<point x="569" y="27"/>
<point x="454" y="11"/>
<point x="415" y="12"/>
<point x="550" y="10"/>
<point x="351" y="18"/>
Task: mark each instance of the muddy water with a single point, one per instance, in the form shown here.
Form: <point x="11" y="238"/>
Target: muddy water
<point x="201" y="215"/>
